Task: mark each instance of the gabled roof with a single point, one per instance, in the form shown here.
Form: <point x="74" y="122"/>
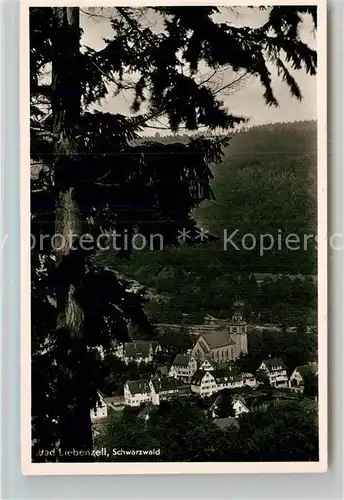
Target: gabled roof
<point x="139" y="348"/>
<point x="138" y="386"/>
<point x="198" y="377"/>
<point x="273" y="363"/>
<point x="209" y="361"/>
<point x="146" y="411"/>
<point x="217" y="338"/>
<point x="307" y="369"/>
<point x="182" y="360"/>
<point x="224" y="423"/>
<point x="238" y="397"/>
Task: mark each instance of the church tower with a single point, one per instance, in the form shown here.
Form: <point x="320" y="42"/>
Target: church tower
<point x="238" y="328"/>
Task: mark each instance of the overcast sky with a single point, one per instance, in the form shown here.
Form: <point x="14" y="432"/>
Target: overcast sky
<point x="248" y="100"/>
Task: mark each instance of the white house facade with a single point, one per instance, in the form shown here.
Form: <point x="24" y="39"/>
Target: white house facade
<point x="276" y="372"/>
<point x="183" y="367"/>
<point x="203" y="383"/>
<point x="239" y="405"/>
<point x="100" y="411"/>
<point x="137" y="392"/>
<point x="207" y="382"/>
<point x="137" y="351"/>
<point x="297" y="378"/>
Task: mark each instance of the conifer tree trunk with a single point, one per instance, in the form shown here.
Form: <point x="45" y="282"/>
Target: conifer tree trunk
<point x="73" y="393"/>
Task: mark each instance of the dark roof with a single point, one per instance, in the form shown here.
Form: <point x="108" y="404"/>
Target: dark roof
<point x="147" y="410"/>
<point x="198" y="376"/>
<point x="273" y="363"/>
<point x="182" y="360"/>
<point x="224" y="423"/>
<point x="307" y="369"/>
<point x="114" y="400"/>
<point x="225" y="375"/>
<point x="165" y="384"/>
<point x="238" y="397"/>
<point x="139" y="348"/>
<point x="163" y="369"/>
<point x="138" y="386"/>
<point x="217" y="338"/>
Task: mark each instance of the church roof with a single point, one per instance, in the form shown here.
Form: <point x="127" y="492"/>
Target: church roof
<point x="217" y="338"/>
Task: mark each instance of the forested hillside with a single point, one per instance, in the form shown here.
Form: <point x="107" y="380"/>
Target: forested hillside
<point x="265" y="184"/>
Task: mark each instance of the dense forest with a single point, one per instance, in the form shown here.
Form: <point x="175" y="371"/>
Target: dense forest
<point x="265" y="184"/>
<point x="181" y="431"/>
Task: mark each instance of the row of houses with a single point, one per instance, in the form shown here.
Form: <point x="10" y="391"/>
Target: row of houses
<point x="207" y="377"/>
<point x="186" y="368"/>
<point x="207" y="380"/>
<point x="137" y="393"/>
<point x="152" y="391"/>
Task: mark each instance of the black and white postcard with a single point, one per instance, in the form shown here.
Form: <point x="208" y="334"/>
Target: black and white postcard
<point x="174" y="237"/>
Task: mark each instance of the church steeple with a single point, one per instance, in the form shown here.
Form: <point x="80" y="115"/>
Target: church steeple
<point x="238" y="312"/>
<point x="238" y="327"/>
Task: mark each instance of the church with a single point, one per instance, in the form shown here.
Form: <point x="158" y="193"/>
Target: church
<point x="221" y="341"/>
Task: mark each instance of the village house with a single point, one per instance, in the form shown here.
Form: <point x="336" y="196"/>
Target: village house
<point x="207" y="365"/>
<point x="100" y="411"/>
<point x="138" y="351"/>
<point x="228" y="379"/>
<point x="183" y="367"/>
<point x="163" y="388"/>
<point x="238" y="402"/>
<point x="299" y="375"/>
<point x="222" y="342"/>
<point x="239" y="405"/>
<point x="137" y="392"/>
<point x="276" y="372"/>
<point x="249" y="380"/>
<point x="115" y="403"/>
<point x="203" y="383"/>
<point x="209" y="381"/>
<point x="146" y="412"/>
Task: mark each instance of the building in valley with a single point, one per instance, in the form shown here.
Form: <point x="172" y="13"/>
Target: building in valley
<point x="163" y="388"/>
<point x="300" y="374"/>
<point x="209" y="381"/>
<point x="138" y="351"/>
<point x="221" y="341"/>
<point x="183" y="367"/>
<point x="238" y="404"/>
<point x="203" y="383"/>
<point x="100" y="411"/>
<point x="153" y="391"/>
<point x="276" y="371"/>
<point x="137" y="392"/>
